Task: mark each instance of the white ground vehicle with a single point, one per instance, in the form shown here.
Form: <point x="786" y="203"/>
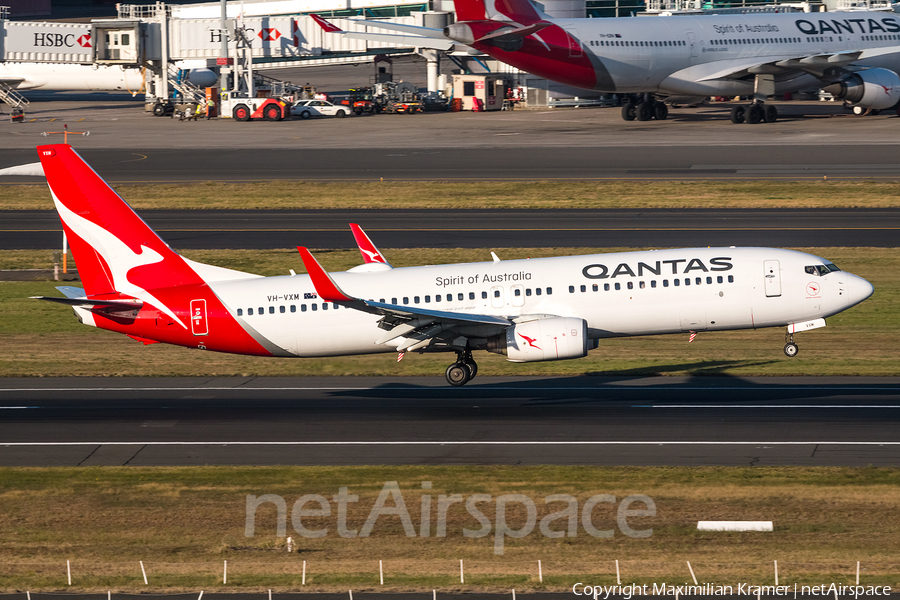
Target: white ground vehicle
<point x="318" y="108"/>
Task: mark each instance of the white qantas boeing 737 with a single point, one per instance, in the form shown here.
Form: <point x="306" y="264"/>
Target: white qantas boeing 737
<point x="528" y="310"/>
<point x="855" y="56"/>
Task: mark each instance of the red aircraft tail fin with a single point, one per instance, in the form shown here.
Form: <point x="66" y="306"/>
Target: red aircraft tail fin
<point x="470" y="10"/>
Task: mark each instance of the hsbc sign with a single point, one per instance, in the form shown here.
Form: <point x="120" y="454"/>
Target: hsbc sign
<point x="50" y="42"/>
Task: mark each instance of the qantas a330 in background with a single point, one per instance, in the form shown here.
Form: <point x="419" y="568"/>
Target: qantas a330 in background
<point x="855" y="56"/>
<point x="528" y="310"/>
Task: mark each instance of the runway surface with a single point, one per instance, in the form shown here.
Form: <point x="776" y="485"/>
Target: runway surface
<point x="353" y="421"/>
<point x="527" y="161"/>
<point x="259" y="229"/>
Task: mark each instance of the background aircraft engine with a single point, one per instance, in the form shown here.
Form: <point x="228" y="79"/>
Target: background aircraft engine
<point x="555" y="338"/>
<point x="877" y="89"/>
<point x="203" y="77"/>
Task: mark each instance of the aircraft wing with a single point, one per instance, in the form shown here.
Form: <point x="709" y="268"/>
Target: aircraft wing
<point x="419" y="326"/>
<point x="417" y="41"/>
<point x="814" y="64"/>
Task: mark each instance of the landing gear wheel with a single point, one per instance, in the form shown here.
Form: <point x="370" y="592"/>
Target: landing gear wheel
<point x="791" y="349"/>
<point x="628" y="111"/>
<point x="771" y="114"/>
<point x="472" y="366"/>
<point x="738" y="114"/>
<point x="241" y="113"/>
<point x="661" y="111"/>
<point x="755" y="114"/>
<point x="644" y="111"/>
<point x="272" y="113"/>
<point x="457" y="374"/>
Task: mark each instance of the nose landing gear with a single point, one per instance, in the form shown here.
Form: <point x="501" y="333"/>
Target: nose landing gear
<point x="790" y="348"/>
<point x="463" y="370"/>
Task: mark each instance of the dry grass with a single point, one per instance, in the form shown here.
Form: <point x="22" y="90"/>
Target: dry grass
<point x="183" y="522"/>
<point x="50" y="342"/>
<point x="443" y="195"/>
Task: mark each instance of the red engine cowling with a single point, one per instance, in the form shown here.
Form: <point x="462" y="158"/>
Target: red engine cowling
<point x="877" y="89"/>
<point x="555" y="338"/>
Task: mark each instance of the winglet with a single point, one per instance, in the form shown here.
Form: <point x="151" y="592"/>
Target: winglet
<point x="368" y="250"/>
<point x="328" y="27"/>
<point x="326" y="288"/>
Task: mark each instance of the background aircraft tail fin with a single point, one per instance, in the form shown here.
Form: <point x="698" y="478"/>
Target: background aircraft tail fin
<point x="115" y="251"/>
<point x="470" y="10"/>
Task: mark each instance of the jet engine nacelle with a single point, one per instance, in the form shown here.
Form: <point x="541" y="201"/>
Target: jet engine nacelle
<point x="877" y="89"/>
<point x="555" y="338"/>
<point x="203" y="77"/>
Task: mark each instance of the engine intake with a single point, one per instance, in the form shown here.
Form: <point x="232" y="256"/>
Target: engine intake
<point x="556" y="338"/>
<point x="877" y="89"/>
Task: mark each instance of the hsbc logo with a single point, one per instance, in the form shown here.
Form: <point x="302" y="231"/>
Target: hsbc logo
<point x="269" y="34"/>
<point x="59" y="40"/>
<point x="84" y="41"/>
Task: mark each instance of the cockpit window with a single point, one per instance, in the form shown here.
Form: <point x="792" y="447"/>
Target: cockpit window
<point x="821" y="269"/>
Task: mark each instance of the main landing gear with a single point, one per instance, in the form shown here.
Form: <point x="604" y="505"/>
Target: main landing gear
<point x="463" y="370"/>
<point x="756" y="112"/>
<point x="645" y="108"/>
<point x="790" y="348"/>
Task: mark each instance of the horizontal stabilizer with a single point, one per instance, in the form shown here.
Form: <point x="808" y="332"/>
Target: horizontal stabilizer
<point x="114" y="304"/>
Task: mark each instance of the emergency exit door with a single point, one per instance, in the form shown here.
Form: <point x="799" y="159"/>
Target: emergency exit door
<point x="199" y="323"/>
<point x="772" y="277"/>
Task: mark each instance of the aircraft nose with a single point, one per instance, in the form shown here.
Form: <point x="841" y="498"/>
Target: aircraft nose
<point x="858" y="289"/>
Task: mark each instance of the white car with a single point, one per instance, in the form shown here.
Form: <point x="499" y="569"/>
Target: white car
<point x="318" y="108"/>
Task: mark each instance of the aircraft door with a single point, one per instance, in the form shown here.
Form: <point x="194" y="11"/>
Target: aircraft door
<point x="497" y="296"/>
<point x="772" y="272"/>
<point x="575" y="50"/>
<point x="518" y="295"/>
<point x="692" y="42"/>
<point x="199" y="323"/>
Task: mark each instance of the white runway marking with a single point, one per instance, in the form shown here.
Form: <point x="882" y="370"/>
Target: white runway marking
<point x="454" y="443"/>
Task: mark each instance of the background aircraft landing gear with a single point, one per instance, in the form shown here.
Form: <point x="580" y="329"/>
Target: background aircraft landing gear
<point x="790" y="348"/>
<point x="644" y="109"/>
<point x="757" y="112"/>
<point x="462" y="371"/>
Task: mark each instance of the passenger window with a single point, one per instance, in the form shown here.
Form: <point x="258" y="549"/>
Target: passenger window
<point x="571" y="289"/>
<point x="537" y="291"/>
<point x="665" y="283"/>
<point x="240" y="312"/>
<point x="437" y="298"/>
<point x="261" y="311"/>
<point x="643" y="285"/>
<point x="709" y="280"/>
<point x="583" y="288"/>
<point x="549" y="291"/>
<point x="416" y="300"/>
<point x="293" y="308"/>
<point x="698" y="280"/>
<point x="393" y="301"/>
<point x="302" y="308"/>
<point x="471" y="295"/>
<point x="381" y="300"/>
<point x="653" y="283"/>
<point x="719" y="279"/>
<point x="450" y="297"/>
<point x="483" y="295"/>
<point x="335" y="306"/>
<point x="405" y="299"/>
<point x="427" y="299"/>
<point x="595" y="287"/>
<point x="630" y="285"/>
<point x="731" y="279"/>
<point x="687" y="281"/>
<point x="605" y="287"/>
<point x="324" y="306"/>
<point x="315" y="307"/>
<point x="618" y="286"/>
<point x="676" y="282"/>
<point x="528" y="291"/>
<point x="496" y="293"/>
<point x="281" y="309"/>
<point x="460" y="297"/>
<point x="517" y="292"/>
